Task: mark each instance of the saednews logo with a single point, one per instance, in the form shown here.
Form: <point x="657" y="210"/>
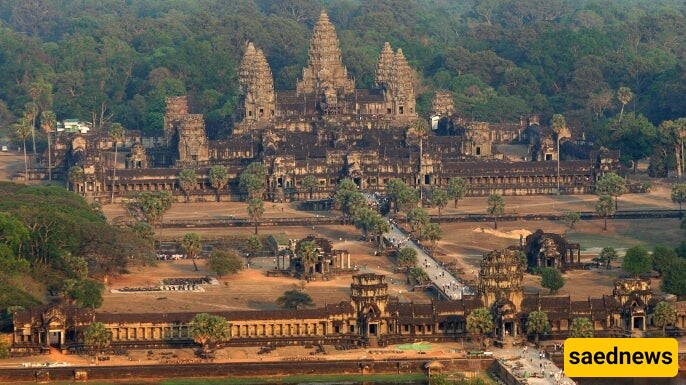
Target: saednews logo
<point x="621" y="357"/>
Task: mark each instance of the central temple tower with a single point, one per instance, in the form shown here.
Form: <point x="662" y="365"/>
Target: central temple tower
<point x="325" y="71"/>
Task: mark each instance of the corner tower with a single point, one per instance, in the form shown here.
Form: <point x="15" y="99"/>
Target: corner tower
<point x="257" y="86"/>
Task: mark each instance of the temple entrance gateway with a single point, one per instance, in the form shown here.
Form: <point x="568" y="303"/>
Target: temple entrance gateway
<point x="55" y="338"/>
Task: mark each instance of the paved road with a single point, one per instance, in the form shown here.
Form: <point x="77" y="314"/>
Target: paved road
<point x="525" y="363"/>
<point x="449" y="285"/>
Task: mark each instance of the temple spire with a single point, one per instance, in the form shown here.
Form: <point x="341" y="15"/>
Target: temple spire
<point x="384" y="65"/>
<point x="257" y="85"/>
<point x="325" y="69"/>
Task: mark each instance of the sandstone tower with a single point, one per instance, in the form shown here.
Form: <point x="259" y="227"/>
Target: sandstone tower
<point x="325" y="72"/>
<point x="384" y="66"/>
<point x="500" y="277"/>
<point x="442" y="103"/>
<point x="257" y="86"/>
<point x="187" y="130"/>
<point x="394" y="75"/>
<point x="369" y="289"/>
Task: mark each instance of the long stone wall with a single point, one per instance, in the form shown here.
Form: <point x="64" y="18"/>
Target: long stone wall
<point x="246" y="369"/>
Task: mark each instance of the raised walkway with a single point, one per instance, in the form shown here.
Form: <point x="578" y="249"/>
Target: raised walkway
<point x="527" y="367"/>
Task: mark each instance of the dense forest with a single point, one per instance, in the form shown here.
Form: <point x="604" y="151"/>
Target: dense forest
<point x="117" y="60"/>
<point x="52" y="239"/>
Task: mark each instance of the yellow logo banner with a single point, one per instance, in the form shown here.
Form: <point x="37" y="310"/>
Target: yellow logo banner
<point x="621" y="357"/>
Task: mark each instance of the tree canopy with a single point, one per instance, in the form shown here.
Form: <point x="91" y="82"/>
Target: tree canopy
<point x="581" y="327"/>
<point x="480" y="323"/>
<point x="294" y="299"/>
<point x="209" y="330"/>
<point x="552" y="279"/>
<point x="49" y="236"/>
<point x="637" y="260"/>
<point x="224" y="262"/>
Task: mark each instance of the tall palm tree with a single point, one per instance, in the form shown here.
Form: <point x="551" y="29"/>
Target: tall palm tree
<point x="48" y="121"/>
<point x="23" y="129"/>
<point x="31" y="113"/>
<point x="116" y="134"/>
<point x="624" y="95"/>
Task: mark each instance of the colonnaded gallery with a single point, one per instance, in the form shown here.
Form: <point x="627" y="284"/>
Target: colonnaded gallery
<point x="369" y="318"/>
<point x="327" y="128"/>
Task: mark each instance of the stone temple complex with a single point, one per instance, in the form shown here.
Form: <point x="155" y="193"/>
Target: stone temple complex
<point x="328" y="128"/>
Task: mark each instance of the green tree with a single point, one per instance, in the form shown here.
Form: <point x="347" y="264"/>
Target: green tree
<point x="537" y="323"/>
<point x="347" y="198"/>
<point x="635" y="137"/>
<point x="255" y="211"/>
<point x="294" y="299"/>
<point x="674" y="279"/>
<point x="209" y="330"/>
<point x="457" y="189"/>
<point x="30" y="114"/>
<point x="663" y="315"/>
<point x="393" y="189"/>
<point x="48" y="122"/>
<point x="144" y="231"/>
<point x="219" y="177"/>
<point x="224" y="262"/>
<point x="75" y="266"/>
<point x="253" y="245"/>
<point x="23" y="129"/>
<point x="408" y="199"/>
<point x="418" y="218"/>
<point x="116" y="134"/>
<point x="433" y="233"/>
<point x="672" y="134"/>
<point x="407" y="257"/>
<point x="439" y="198"/>
<point x="607" y="255"/>
<point x="611" y="184"/>
<point x="187" y="181"/>
<point x="253" y="180"/>
<point x="581" y="327"/>
<point x="552" y="279"/>
<point x="679" y="194"/>
<point x="309" y="256"/>
<point x="371" y="223"/>
<point x="191" y="246"/>
<point x="418" y="276"/>
<point x="150" y="206"/>
<point x="571" y="218"/>
<point x="310" y="184"/>
<point x="637" y="260"/>
<point x="480" y="323"/>
<point x="605" y="208"/>
<point x="88" y="293"/>
<point x="496" y="207"/>
<point x="662" y="258"/>
<point x="624" y="95"/>
<point x="96" y="336"/>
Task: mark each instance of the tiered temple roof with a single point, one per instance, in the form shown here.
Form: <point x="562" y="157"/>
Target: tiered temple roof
<point x="325" y="67"/>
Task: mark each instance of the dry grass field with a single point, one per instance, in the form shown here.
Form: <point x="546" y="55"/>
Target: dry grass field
<point x="463" y="243"/>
